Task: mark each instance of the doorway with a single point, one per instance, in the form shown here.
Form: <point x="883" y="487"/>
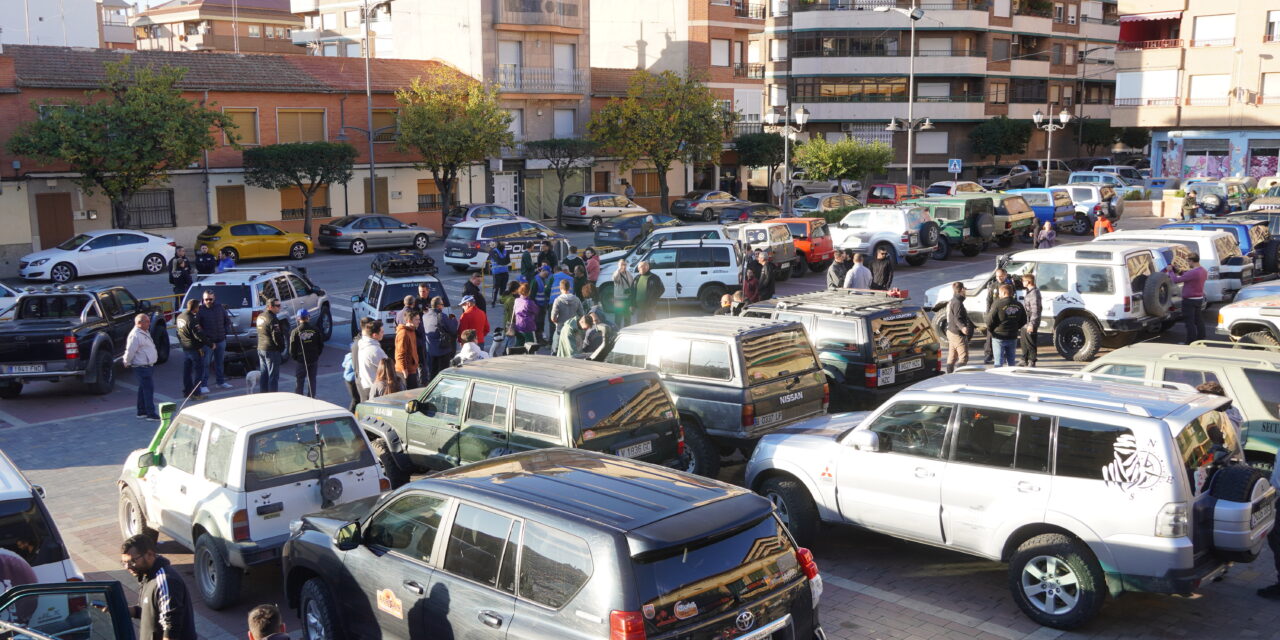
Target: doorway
<point x="504" y="190"/>
<point x="53" y="213"/>
<point x="231" y="203"/>
<point x="601" y="182"/>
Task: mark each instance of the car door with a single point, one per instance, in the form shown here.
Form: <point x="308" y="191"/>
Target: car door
<point x="472" y="594"/>
<point x="433" y="433"/>
<point x="537" y="421"/>
<point x="392" y="232"/>
<point x="131" y="249"/>
<point x="169" y="486"/>
<point x="693" y="270"/>
<point x="485" y="429"/>
<point x="664" y="263"/>
<point x="288" y="301"/>
<point x="367" y="228"/>
<point x="27" y="607"/>
<point x="305" y="296"/>
<point x="120" y="320"/>
<point x="997" y="477"/>
<point x="98" y="255"/>
<point x="273" y="242"/>
<point x="392" y="568"/>
<point x="898" y="489"/>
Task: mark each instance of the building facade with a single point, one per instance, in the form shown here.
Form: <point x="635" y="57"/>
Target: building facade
<point x="236" y="26"/>
<point x="1205" y="77"/>
<point x="271" y="99"/>
<point x="848" y="64"/>
<point x="68" y="23"/>
<point x="114" y="31"/>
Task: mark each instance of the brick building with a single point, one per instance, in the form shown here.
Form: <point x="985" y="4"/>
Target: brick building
<point x="272" y="98"/>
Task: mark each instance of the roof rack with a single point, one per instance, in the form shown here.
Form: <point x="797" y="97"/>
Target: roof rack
<point x="1070" y="400"/>
<point x="1227" y="344"/>
<point x="257" y="272"/>
<point x="404" y="263"/>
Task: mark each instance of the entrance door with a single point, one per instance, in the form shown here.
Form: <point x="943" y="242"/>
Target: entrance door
<point x="231" y="203"/>
<point x="504" y="191"/>
<point x="53" y="211"/>
<point x="381" y="188"/>
<point x="601" y="183"/>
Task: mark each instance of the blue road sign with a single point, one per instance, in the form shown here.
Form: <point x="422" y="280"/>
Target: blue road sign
<point x="953" y="165"/>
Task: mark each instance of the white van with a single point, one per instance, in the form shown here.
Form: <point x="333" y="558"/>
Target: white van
<point x="1219" y="255"/>
<point x="27" y="530"/>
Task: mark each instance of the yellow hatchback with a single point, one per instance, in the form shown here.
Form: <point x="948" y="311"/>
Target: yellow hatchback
<point x="254" y="240"/>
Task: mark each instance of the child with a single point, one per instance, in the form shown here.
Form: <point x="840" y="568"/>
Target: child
<point x="470" y="350"/>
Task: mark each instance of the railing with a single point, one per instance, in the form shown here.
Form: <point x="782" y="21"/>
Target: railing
<point x="870" y="5"/>
<point x="1147" y="102"/>
<point x="1035" y="99"/>
<point x="879" y="98"/>
<point x="748" y="10"/>
<point x="897" y="53"/>
<point x="1220" y="42"/>
<point x="1149" y="44"/>
<point x="745" y="128"/>
<point x="1207" y="102"/>
<point x="556" y="13"/>
<point x="1032" y="57"/>
<point x="1115" y="20"/>
<point x="298" y="214"/>
<point x="1027" y="10"/>
<point x="540" y="80"/>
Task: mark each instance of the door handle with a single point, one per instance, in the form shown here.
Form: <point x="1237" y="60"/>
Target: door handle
<point x="414" y="587"/>
<point x="922" y="472"/>
<point x="182" y="488"/>
<point x="702" y="273"/>
<point x="454" y="425"/>
<point x="490" y="619"/>
<point x="498" y="434"/>
<point x="1027" y="487"/>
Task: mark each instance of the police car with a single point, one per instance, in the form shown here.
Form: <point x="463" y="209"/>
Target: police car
<point x="395" y="275"/>
<point x="466" y="248"/>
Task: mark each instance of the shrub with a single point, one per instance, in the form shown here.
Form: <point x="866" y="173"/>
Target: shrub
<point x="834" y="216"/>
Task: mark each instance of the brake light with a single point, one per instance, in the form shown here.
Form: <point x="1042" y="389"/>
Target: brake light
<point x="1173" y="521"/>
<point x="253" y="320"/>
<point x="582" y="211"/>
<point x="626" y="625"/>
<point x="1008" y="226"/>
<point x="336" y="232"/>
<point x="742" y="216"/>
<point x="474" y="244"/>
<point x="1128" y="303"/>
<point x="384" y="484"/>
<point x="873" y="377"/>
<point x="615" y="380"/>
<point x="172" y="243"/>
<point x="240" y="526"/>
<point x="748" y="414"/>
<point x="906" y="238"/>
<point x="939" y="364"/>
<point x="826" y="393"/>
<point x="807" y="564"/>
<point x="71" y="347"/>
<point x="680" y="440"/>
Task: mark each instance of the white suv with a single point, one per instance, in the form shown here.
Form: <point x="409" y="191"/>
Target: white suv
<point x="1218" y="250"/>
<point x="702" y="270"/>
<point x="395" y="275"/>
<point x="907" y="233"/>
<point x="226" y="478"/>
<point x="1086" y="292"/>
<point x="1083" y="486"/>
<point x="1254" y="321"/>
<point x="667" y="234"/>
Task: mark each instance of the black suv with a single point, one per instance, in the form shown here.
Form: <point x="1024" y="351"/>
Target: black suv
<point x="497" y="406"/>
<point x="871" y="344"/>
<point x="553" y="544"/>
<point x="734" y="379"/>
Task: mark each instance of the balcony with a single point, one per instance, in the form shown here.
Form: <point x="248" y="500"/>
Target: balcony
<point x="860" y="14"/>
<point x="869" y="5"/>
<point x="749" y="71"/>
<point x="543" y="13"/>
<point x="540" y="80"/>
<point x="833" y="110"/>
<point x="745" y="128"/>
<point x="1148" y="44"/>
<point x="961" y="61"/>
<point x="748" y="10"/>
<point x="1107" y="20"/>
<point x="305" y="36"/>
<point x="1221" y="42"/>
<point x="1147" y="102"/>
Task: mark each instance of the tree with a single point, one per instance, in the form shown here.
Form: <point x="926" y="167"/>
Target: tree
<point x="451" y="121"/>
<point x="1093" y="134"/>
<point x="1000" y="136"/>
<point x="663" y="119"/>
<point x="848" y="159"/>
<point x="309" y="166"/>
<point x="760" y="150"/>
<point x="565" y="155"/>
<point x="1135" y="137"/>
<point x="126" y="135"/>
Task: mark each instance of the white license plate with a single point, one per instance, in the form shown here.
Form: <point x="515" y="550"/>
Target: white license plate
<point x="885" y="376"/>
<point x="25" y="368"/>
<point x="910" y="364"/>
<point x="1262" y="514"/>
<point x="768" y="419"/>
<point x="636" y="450"/>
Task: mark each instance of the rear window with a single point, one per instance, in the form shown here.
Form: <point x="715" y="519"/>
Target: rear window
<point x="1090" y="279"/>
<point x="947" y="213"/>
<point x="393" y="294"/>
<point x="777" y="355"/>
<point x="1014" y="205"/>
<point x="621" y="406"/>
<point x="799" y="229"/>
<point x="69" y="306"/>
<point x="1196" y="443"/>
<point x="687" y="585"/>
<point x="232" y="296"/>
<point x="342" y="222"/>
<point x="461" y="234"/>
<point x="281" y="455"/>
<point x="25" y="530"/>
<point x="891" y="334"/>
<point x="807" y="202"/>
<point x="1036" y="199"/>
<point x="1227" y="247"/>
<point x="573" y="201"/>
<point x="211" y="230"/>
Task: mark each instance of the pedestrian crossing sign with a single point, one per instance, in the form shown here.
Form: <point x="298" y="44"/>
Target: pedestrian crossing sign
<point x="953" y="165"/>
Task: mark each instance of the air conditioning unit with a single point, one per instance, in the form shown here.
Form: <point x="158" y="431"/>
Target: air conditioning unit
<point x="1071" y="19"/>
<point x="847" y="127"/>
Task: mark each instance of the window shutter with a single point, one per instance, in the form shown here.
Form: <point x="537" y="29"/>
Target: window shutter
<point x="287" y="126"/>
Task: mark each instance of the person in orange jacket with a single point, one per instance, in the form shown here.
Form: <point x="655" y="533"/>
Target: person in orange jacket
<point x="1103" y="226"/>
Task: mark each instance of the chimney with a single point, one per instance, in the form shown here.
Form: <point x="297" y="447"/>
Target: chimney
<point x="8" y="72"/>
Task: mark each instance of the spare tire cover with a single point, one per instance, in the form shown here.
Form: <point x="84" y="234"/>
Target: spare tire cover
<point x="1157" y="292"/>
<point x="929" y="234"/>
<point x="984" y="225"/>
<point x="1211" y="203"/>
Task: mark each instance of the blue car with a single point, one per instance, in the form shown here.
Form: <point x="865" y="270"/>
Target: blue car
<point x="1253" y="236"/>
<point x="1261" y="290"/>
<point x="1052" y="204"/>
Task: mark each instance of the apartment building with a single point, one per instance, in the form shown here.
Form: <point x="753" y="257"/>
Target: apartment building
<point x="1205" y="76"/>
<point x="67" y="23"/>
<point x="237" y="26"/>
<point x="848" y="63"/>
<point x="711" y="37"/>
<point x="114" y="31"/>
<point x="272" y="99"/>
<point x="537" y="52"/>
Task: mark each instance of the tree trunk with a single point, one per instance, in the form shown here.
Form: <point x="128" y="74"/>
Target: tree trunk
<point x="306" y="211"/>
<point x="663" y="190"/>
<point x="560" y="175"/>
<point x="119" y="213"/>
<point x="444" y="184"/>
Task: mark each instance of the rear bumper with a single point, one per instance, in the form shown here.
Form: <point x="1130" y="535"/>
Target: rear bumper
<point x="248" y="554"/>
<point x="1126" y="325"/>
<point x="52" y="371"/>
<point x="330" y="242"/>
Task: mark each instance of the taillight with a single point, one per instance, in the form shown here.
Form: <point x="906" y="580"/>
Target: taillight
<point x="582" y="211"/>
<point x="939" y="364"/>
<point x="1173" y="521"/>
<point x="626" y="625"/>
<point x="71" y="347"/>
<point x="906" y="238"/>
<point x="172" y="243"/>
<point x="873" y="375"/>
<point x="742" y="216"/>
<point x="807" y="564"/>
<point x="240" y="526"/>
<point x="1128" y="303"/>
<point x="826" y="393"/>
<point x="474" y="244"/>
<point x="337" y="233"/>
<point x="253" y="320"/>
<point x="748" y="414"/>
<point x="384" y="484"/>
<point x="680" y="441"/>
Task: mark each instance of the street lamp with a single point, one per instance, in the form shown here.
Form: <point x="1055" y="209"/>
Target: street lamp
<point x="1049" y="127"/>
<point x="371" y="133"/>
<point x="910" y="124"/>
<point x="1084" y="60"/>
<point x="773" y="119"/>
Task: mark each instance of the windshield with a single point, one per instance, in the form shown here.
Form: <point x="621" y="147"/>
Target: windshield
<point x="777" y="355"/>
<point x="1203" y="188"/>
<point x="871" y="218"/>
<point x="807" y="202"/>
<point x="622" y="406"/>
<point x="287" y="451"/>
<point x="1036" y="198"/>
<point x="75" y="242"/>
<point x="901" y="331"/>
<point x="461" y="234"/>
<point x="232" y="296"/>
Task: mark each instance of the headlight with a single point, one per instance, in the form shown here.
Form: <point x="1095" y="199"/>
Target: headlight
<point x="37" y="263"/>
<point x="294" y="527"/>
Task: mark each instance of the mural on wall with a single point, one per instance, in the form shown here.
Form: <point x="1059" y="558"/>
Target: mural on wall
<point x="1208" y="166"/>
<point x="1171" y="157"/>
<point x="1262" y="166"/>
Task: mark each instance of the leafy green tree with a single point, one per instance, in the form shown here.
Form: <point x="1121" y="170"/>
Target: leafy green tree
<point x="1135" y="137"/>
<point x="1000" y="136"/>
<point x="126" y="135"/>
<point x="1094" y="134"/>
<point x="565" y="155"/>
<point x="451" y="122"/>
<point x="848" y="159"/>
<point x="663" y="119"/>
<point x="309" y="166"/>
<point x="760" y="150"/>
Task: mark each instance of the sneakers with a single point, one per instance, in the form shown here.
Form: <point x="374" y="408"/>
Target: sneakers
<point x="204" y="390"/>
<point x="225" y="385"/>
<point x="1271" y="593"/>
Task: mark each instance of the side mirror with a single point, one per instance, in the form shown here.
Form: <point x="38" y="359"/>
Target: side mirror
<point x="40" y="490"/>
<point x="865" y="440"/>
<point x="86" y="248"/>
<point x="843" y="225"/>
<point x="319" y="292"/>
<point x="355" y="298"/>
<point x="411" y="407"/>
<point x="146" y="460"/>
<point x="347" y="537"/>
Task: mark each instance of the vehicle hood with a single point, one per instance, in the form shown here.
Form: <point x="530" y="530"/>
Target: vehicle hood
<point x="329" y="521"/>
<point x="826" y="426"/>
<point x="613" y="256"/>
<point x="800" y="441"/>
<point x="47" y="254"/>
<point x="393" y="400"/>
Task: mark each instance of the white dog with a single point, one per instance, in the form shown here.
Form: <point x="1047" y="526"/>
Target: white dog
<point x="251" y="379"/>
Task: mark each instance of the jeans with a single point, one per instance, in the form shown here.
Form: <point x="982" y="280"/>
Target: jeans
<point x="194" y="374"/>
<point x="499" y="285"/>
<point x="1191" y="308"/>
<point x="146" y="390"/>
<point x="269" y="366"/>
<point x="1030" y="346"/>
<point x="354" y="390"/>
<point x="1005" y="351"/>
<point x="305" y="371"/>
<point x="215" y="358"/>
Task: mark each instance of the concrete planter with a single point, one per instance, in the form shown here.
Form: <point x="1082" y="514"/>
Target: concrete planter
<point x="1143" y="207"/>
<point x="1172" y="207"/>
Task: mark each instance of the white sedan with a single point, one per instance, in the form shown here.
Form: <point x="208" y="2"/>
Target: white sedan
<point x="99" y="252"/>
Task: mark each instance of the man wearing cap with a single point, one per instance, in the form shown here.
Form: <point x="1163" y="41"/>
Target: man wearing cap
<point x="473" y="318"/>
<point x="305" y="344"/>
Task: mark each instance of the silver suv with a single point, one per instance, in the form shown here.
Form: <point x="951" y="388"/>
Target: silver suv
<point x="908" y="233"/>
<point x="1083" y="486"/>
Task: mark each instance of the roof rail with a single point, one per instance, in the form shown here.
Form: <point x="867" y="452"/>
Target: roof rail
<point x="1055" y="398"/>
<point x="1104" y="377"/>
<point x="1227" y="344"/>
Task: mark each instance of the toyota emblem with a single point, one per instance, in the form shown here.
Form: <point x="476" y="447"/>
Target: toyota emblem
<point x="745" y="620"/>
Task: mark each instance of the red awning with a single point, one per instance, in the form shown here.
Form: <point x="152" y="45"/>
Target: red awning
<point x="1163" y="15"/>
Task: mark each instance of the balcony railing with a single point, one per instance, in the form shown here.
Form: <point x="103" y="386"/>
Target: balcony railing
<point x="1033" y="57"/>
<point x="1207" y="102"/>
<point x="554" y="13"/>
<point x="1220" y="42"/>
<point x="754" y="71"/>
<point x="745" y="128"/>
<point x="1035" y="12"/>
<point x="1111" y="20"/>
<point x="540" y="80"/>
<point x="896" y="53"/>
<point x="877" y="98"/>
<point x="1036" y="99"/>
<point x="748" y="10"/>
<point x="1148" y="44"/>
<point x="298" y="214"/>
<point x="870" y="5"/>
<point x="1147" y="102"/>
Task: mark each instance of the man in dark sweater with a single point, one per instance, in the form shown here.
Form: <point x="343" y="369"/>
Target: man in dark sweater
<point x="472" y="287"/>
<point x="837" y="271"/>
<point x="959" y="329"/>
<point x="271" y="345"/>
<point x="164" y="607"/>
<point x="999" y="277"/>
<point x="881" y="270"/>
<point x="305" y="345"/>
<point x="1005" y="320"/>
<point x="216" y="324"/>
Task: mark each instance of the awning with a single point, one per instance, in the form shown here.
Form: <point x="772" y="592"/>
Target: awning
<point x="1163" y="15"/>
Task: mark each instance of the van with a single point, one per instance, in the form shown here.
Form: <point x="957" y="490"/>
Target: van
<point x="774" y="237"/>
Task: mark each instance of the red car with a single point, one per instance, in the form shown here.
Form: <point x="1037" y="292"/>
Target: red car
<point x="892" y="194"/>
<point x="813" y="244"/>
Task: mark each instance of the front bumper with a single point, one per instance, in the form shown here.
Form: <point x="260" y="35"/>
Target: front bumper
<point x="35" y="273"/>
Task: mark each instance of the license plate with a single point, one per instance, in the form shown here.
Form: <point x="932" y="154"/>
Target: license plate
<point x="636" y="450"/>
<point x="885" y="376"/>
<point x="910" y="364"/>
<point x="455" y="252"/>
<point x="1262" y="512"/>
<point x="768" y="419"/>
<point x="25" y="368"/>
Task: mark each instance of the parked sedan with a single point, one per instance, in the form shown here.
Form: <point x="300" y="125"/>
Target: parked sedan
<point x="370" y="231"/>
<point x="747" y="212"/>
<point x="254" y="240"/>
<point x="98" y="252"/>
<point x="696" y="205"/>
<point x="819" y="203"/>
<point x="626" y="230"/>
<point x="1003" y="177"/>
<point x="478" y="211"/>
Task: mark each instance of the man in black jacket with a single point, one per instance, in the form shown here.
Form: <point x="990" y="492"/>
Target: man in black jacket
<point x="305" y="345"/>
<point x="472" y="288"/>
<point x="1005" y="320"/>
<point x="768" y="275"/>
<point x="881" y="270"/>
<point x="959" y="329"/>
<point x="270" y="347"/>
<point x="837" y="271"/>
<point x="164" y="606"/>
<point x="999" y="277"/>
<point x="206" y="262"/>
<point x="216" y="324"/>
<point x="180" y="271"/>
<point x="192" y="339"/>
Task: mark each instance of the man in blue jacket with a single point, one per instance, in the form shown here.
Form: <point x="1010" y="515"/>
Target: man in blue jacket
<point x="441" y="330"/>
<point x="542" y="295"/>
<point x="215" y="323"/>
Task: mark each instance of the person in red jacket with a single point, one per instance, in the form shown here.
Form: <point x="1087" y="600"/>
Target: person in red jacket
<point x="473" y="318"/>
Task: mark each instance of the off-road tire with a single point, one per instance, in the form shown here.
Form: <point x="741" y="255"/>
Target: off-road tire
<point x="131" y="518"/>
<point x="1080" y="225"/>
<point x="917" y="260"/>
<point x="1157" y="293"/>
<point x="970" y="250"/>
<point x="1078" y="338"/>
<point x="794" y="505"/>
<point x="1271" y="254"/>
<point x="1237" y="483"/>
<point x="704" y="459"/>
<point x="358" y="247"/>
<point x="395" y="475"/>
<point x="943" y="251"/>
<point x="1212" y="204"/>
<point x="326" y="323"/>
<point x="929" y="234"/>
<point x="1260" y="337"/>
<point x="1057" y="557"/>
<point x="315" y="606"/>
<point x="1004" y="240"/>
<point x="160" y="336"/>
<point x="106" y="381"/>
<point x="797" y="266"/>
<point x="217" y="581"/>
<point x="153" y="264"/>
<point x="984" y="226"/>
<point x="709" y="297"/>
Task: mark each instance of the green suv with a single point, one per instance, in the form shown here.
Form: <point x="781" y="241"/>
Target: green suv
<point x="967" y="224"/>
<point x="498" y="406"/>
